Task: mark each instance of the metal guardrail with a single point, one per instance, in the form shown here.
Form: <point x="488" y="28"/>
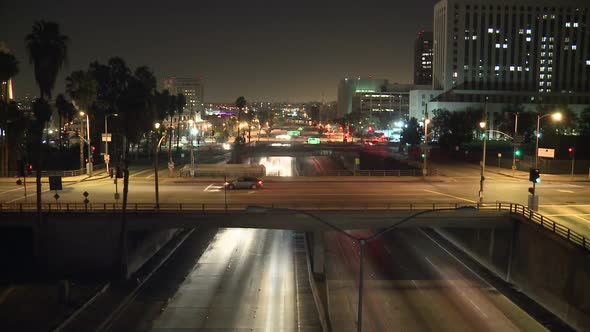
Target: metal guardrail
<point x="213" y="207"/>
<point x="518" y="209"/>
<point x="64" y="173"/>
<point x="397" y="172"/>
<point x="547" y="224"/>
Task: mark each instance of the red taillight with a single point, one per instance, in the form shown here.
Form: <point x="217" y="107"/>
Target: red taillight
<point x="260" y="182"/>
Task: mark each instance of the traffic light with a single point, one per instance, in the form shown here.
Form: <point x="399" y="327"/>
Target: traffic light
<point x="21" y="167"/>
<point x="423" y="155"/>
<point x="30" y="169"/>
<point x="517" y="153"/>
<point x="370" y="129"/>
<point x="93" y="148"/>
<point x="571" y="152"/>
<point x="535" y="175"/>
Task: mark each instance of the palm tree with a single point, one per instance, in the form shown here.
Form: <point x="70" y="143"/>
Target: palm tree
<point x="47" y="49"/>
<point x="61" y="104"/>
<point x="240" y="104"/>
<point x="8" y="69"/>
<point x="82" y="88"/>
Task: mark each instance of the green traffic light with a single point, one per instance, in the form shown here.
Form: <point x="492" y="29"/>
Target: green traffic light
<point x="517" y="153"/>
<point x="424" y="155"/>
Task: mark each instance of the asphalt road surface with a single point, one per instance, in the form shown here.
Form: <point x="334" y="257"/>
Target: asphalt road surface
<point x="247" y="279"/>
<point x="412" y="284"/>
<point x="565" y="202"/>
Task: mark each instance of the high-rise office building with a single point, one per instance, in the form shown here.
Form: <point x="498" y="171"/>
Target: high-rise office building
<point x="191" y="88"/>
<point x="540" y="46"/>
<point x="5" y="86"/>
<point x="423" y="58"/>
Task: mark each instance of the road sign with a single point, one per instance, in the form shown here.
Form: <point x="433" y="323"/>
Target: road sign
<point x="547" y="153"/>
<point x="107" y="137"/>
<point x="518" y="139"/>
<point x="55" y="183"/>
<point x="293" y="133"/>
<point x="107" y="157"/>
<point x="313" y="140"/>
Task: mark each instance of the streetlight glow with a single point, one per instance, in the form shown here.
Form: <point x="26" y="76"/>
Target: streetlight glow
<point x="556" y="116"/>
<point x="482" y="124"/>
<point x="157" y="125"/>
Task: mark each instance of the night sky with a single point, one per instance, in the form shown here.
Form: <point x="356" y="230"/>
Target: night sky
<point x="263" y="50"/>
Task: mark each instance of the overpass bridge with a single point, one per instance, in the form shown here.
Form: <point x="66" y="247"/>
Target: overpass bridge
<point x="300" y="217"/>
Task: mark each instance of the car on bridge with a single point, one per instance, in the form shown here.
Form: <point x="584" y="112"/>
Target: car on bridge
<point x="244" y="182"/>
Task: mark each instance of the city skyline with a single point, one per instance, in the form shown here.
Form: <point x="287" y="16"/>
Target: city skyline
<point x="263" y="51"/>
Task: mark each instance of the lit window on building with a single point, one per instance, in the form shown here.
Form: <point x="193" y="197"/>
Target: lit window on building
<point x="542" y="69"/>
<point x="474" y="37"/>
<point x="528" y="39"/>
<point x="512" y="68"/>
<point x="455" y="74"/>
<point x="568" y="24"/>
<point x="521" y="31"/>
<point x="490" y="30"/>
<point x="528" y="31"/>
<point x="574" y="47"/>
<point x="575" y="24"/>
<point x="587" y="62"/>
<point x="519" y="68"/>
<point x="498" y="45"/>
<point x="496" y="67"/>
<point x="504" y="45"/>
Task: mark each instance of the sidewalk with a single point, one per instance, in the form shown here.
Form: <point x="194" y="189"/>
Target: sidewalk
<point x="65" y="179"/>
<point x="451" y="169"/>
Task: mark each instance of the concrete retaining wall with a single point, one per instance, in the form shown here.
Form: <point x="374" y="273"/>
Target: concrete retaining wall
<point x="547" y="268"/>
<point x="77" y="247"/>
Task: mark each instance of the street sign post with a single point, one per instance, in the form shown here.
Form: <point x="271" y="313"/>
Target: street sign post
<point x="107" y="137"/>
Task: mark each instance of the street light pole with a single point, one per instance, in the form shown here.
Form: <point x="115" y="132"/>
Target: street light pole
<point x="361" y="241"/>
<point x="424" y="164"/>
<point x="107" y="158"/>
<point x="483" y="161"/>
<point x="514" y="143"/>
<point x="89" y="163"/>
<point x="556" y="116"/>
<point x="156" y="159"/>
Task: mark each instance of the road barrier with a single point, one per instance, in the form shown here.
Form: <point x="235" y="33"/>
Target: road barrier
<point x="517" y="209"/>
<point x="395" y="172"/>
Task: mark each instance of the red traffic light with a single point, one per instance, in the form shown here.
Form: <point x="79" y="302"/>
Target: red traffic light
<point x="93" y="148"/>
<point x="570" y="150"/>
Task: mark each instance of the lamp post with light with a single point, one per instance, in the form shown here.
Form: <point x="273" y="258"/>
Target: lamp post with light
<point x="89" y="163"/>
<point x="482" y="125"/>
<point x="361" y="241"/>
<point x="556" y="117"/>
<point x="424" y="165"/>
<point x="107" y="158"/>
<point x="156" y="153"/>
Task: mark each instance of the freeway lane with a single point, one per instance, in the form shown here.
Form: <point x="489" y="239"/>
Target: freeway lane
<point x="411" y="284"/>
<point x="245" y="280"/>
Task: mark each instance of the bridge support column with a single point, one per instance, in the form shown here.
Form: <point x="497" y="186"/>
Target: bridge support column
<point x="318" y="254"/>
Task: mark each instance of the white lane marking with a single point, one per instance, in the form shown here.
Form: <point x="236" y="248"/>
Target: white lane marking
<point x="134" y="174"/>
<point x="476" y="307"/>
<point x="565" y="191"/>
<point x="431" y="263"/>
<point x="209" y="186"/>
<point x="457" y="259"/>
<point x="567" y="215"/>
<point x="578" y="216"/>
<point x="6" y="293"/>
<point x="453" y="196"/>
<point x="564" y="205"/>
<point x="11" y="190"/>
